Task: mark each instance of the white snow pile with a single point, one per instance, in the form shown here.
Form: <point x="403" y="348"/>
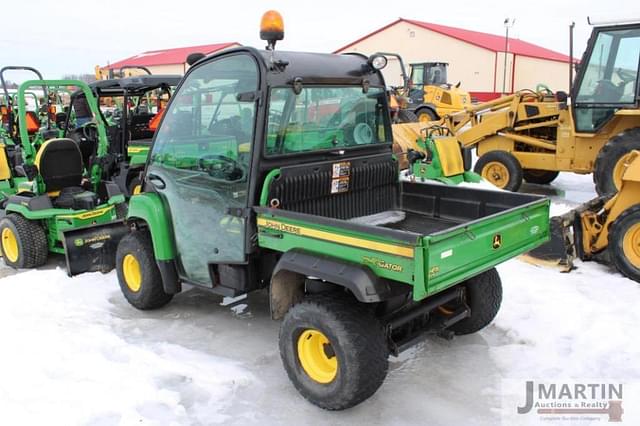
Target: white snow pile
<point x="63" y="362"/>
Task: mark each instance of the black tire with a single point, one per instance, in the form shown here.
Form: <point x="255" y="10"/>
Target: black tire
<point x="483" y="295"/>
<point x="541" y="177"/>
<point x="355" y="337"/>
<point x="148" y="293"/>
<point x="406" y="116"/>
<point x="628" y="222"/>
<point x="612" y="152"/>
<point x="426" y="114"/>
<point x="509" y="163"/>
<point x="32" y="247"/>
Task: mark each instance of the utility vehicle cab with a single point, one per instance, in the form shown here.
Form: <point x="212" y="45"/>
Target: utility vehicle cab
<point x="274" y="169"/>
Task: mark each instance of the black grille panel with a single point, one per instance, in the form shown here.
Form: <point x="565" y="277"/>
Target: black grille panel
<point x="373" y="188"/>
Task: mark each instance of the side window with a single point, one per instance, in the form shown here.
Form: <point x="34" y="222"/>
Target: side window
<point x="209" y="125"/>
<point x="417" y="75"/>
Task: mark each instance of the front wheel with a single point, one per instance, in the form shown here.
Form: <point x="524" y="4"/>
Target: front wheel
<point x="501" y="169"/>
<point x="334" y="351"/>
<point x="425" y="115"/>
<point x="138" y="273"/>
<point x="624" y="243"/>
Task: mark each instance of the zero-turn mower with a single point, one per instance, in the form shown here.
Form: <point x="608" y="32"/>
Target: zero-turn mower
<point x="62" y="204"/>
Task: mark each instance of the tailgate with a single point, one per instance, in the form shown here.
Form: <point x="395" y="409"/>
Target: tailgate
<point x="458" y="253"/>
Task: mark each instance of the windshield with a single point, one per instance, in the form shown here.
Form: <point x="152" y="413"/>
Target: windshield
<point x="612" y="71"/>
<point x="322" y="118"/>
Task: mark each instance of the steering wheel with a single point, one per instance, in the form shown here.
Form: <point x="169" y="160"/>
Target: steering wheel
<point x="222" y="167"/>
<point x="90" y="131"/>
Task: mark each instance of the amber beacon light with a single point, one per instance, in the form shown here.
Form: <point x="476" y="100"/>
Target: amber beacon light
<point x="271" y="28"/>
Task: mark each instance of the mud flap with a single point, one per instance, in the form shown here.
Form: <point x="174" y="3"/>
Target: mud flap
<point x="93" y="248"/>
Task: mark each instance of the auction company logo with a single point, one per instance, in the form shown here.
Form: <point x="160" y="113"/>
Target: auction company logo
<point x="573" y="401"/>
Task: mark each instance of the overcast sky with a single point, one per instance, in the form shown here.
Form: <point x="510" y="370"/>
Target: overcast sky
<point x="73" y="36"/>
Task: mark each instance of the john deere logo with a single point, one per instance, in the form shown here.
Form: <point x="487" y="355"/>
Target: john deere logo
<point x="78" y="242"/>
<point x="497" y="241"/>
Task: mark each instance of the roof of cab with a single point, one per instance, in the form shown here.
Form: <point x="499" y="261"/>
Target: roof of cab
<point x="312" y="68"/>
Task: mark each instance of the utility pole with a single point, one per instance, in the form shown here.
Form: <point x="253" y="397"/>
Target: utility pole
<point x="508" y="23"/>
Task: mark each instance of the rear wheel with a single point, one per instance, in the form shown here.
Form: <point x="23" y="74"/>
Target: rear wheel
<point x="24" y="242"/>
<point x="624" y="243"/>
<point x="611" y="161"/>
<point x="138" y="273"/>
<point x="483" y="295"/>
<point x="425" y="115"/>
<point x="500" y="168"/>
<point x="541" y="177"/>
<point x="334" y="351"/>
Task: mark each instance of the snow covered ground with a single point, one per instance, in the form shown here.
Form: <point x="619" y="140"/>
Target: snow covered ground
<point x="74" y="352"/>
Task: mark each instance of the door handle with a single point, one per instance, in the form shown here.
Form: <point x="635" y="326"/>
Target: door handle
<point x="156" y="181"/>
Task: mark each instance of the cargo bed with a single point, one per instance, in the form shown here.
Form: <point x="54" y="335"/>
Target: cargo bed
<point x="431" y="237"/>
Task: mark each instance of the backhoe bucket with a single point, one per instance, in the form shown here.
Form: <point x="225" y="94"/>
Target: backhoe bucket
<point x="93" y="248"/>
<point x="560" y="250"/>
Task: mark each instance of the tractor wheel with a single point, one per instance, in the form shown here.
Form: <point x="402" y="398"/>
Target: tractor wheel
<point x="624" y="243"/>
<point x="541" y="177"/>
<point x="611" y="160"/>
<point x="501" y="169"/>
<point x="406" y="116"/>
<point x="334" y="351"/>
<point x="24" y="242"/>
<point x="138" y="273"/>
<point x="483" y="295"/>
<point x="425" y="115"/>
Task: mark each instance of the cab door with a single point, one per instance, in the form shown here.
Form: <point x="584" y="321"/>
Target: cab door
<point x="609" y="80"/>
<point x="200" y="162"/>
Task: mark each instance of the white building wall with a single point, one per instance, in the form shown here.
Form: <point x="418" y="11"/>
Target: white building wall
<point x="532" y="71"/>
<point x="472" y="65"/>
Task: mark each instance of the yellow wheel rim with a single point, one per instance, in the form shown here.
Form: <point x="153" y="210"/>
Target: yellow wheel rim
<point x="496" y="173"/>
<point x="619" y="169"/>
<point x="131" y="272"/>
<point x="631" y="245"/>
<point x="10" y="245"/>
<point x="424" y="117"/>
<point x="317" y="357"/>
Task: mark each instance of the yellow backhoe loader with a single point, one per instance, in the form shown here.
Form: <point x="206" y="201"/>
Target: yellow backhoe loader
<point x="533" y="135"/>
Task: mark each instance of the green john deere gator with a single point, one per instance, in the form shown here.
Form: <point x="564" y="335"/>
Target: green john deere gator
<point x="274" y="170"/>
<point x="62" y="205"/>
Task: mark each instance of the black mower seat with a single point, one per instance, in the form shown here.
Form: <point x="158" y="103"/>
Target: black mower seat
<point x="59" y="162"/>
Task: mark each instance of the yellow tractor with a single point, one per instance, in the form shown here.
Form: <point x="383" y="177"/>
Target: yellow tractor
<point x="431" y="96"/>
<point x="536" y="134"/>
<point x="425" y="94"/>
<point x="605" y="229"/>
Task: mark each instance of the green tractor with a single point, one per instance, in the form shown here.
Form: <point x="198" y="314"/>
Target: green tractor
<point x="63" y="205"/>
<point x="274" y="170"/>
<point x="138" y="104"/>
